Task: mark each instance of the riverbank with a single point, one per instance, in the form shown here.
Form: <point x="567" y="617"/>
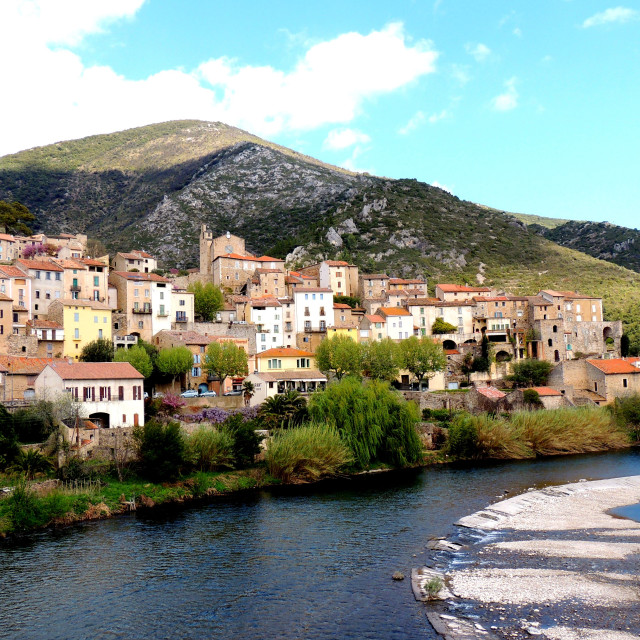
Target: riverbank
<point x="553" y="563"/>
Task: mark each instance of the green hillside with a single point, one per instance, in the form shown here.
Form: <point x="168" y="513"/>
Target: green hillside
<point x="154" y="186"/>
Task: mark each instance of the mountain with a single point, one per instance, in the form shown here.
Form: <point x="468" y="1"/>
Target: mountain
<point x="153" y="187"/>
<point x="602" y="240"/>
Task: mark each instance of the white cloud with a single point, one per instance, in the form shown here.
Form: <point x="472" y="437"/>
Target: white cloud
<point x="479" y="51"/>
<point x="460" y="73"/>
<point x="507" y="100"/>
<point x="517" y="32"/>
<point x="344" y="138"/>
<point x="417" y="119"/>
<point x="618" y="14"/>
<point x="351" y="164"/>
<point x="61" y="98"/>
<point x="420" y="117"/>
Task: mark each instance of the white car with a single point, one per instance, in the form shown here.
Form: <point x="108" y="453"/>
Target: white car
<point x="189" y="393"/>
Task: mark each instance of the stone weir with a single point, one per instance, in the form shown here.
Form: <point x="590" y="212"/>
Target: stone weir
<point x="553" y="563"/>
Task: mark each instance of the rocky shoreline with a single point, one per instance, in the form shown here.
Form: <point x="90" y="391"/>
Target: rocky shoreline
<point x="552" y="563"/>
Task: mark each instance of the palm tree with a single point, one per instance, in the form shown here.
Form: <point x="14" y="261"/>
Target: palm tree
<point x="284" y="410"/>
<point x="30" y="462"/>
<point x="249" y="390"/>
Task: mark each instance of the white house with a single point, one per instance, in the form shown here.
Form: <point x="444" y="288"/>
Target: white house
<point x="266" y="314"/>
<point x="110" y="393"/>
<point x="313" y="307"/>
<point x="399" y="322"/>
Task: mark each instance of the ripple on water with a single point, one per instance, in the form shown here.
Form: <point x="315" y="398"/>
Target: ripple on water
<point x="294" y="563"/>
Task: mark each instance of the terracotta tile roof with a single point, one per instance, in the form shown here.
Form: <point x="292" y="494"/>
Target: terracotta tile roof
<point x="405" y="281"/>
<point x="40" y="265"/>
<point x="7" y="237"/>
<point x="312" y="290"/>
<point x="96" y="371"/>
<point x="491" y="392"/>
<point x="237" y="256"/>
<point x="423" y="302"/>
<point x="393" y="311"/>
<point x="614" y="366"/>
<point x="302" y="374"/>
<point x="374" y="276"/>
<point x="374" y="318"/>
<point x="458" y="288"/>
<point x="448" y="352"/>
<point x="44" y="324"/>
<point x="5" y="297"/>
<point x="26" y="366"/>
<point x="12" y="272"/>
<point x="546" y="391"/>
<point x="139" y="276"/>
<point x="336" y="263"/>
<point x="70" y="264"/>
<point x="92" y="304"/>
<point x="297" y="353"/>
<point x="17" y="307"/>
<point x="340" y="305"/>
<point x="491" y="298"/>
<point x="92" y="263"/>
<point x="569" y="294"/>
<point x="264" y="302"/>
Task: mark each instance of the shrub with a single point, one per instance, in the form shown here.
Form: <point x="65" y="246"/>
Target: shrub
<point x="161" y="449"/>
<point x="25" y="510"/>
<point x="246" y="442"/>
<point x="626" y="411"/>
<point x="463" y="437"/>
<point x="531" y="396"/>
<point x="530" y="373"/>
<point x="307" y="453"/>
<point x="210" y="450"/>
<point x="30" y="463"/>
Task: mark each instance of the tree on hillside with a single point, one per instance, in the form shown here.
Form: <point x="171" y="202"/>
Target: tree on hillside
<point x="530" y="373"/>
<point x="14" y="217"/>
<point x="100" y="350"/>
<point x="224" y="359"/>
<point x="138" y="357"/>
<point x="380" y="360"/>
<point x="96" y="248"/>
<point x="352" y="301"/>
<point x="174" y="362"/>
<point x="340" y="355"/>
<point x="422" y="357"/>
<point x="207" y="300"/>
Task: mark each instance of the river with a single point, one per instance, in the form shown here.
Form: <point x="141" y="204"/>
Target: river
<point x="312" y="562"/>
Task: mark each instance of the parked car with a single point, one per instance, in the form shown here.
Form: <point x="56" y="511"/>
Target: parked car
<point x="145" y="395"/>
<point x="233" y="393"/>
<point x="208" y="394"/>
<point x="158" y="394"/>
<point x="189" y="393"/>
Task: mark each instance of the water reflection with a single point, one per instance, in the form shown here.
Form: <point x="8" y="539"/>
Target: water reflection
<point x="292" y="562"/>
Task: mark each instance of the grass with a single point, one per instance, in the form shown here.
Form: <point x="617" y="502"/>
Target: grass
<point x="528" y="434"/>
<point x="25" y="510"/>
<point x="307" y="454"/>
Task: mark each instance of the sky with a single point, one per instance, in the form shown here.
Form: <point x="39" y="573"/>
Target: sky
<point x="530" y="107"/>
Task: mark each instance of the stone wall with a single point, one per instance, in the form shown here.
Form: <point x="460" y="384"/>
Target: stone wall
<point x="27" y="346"/>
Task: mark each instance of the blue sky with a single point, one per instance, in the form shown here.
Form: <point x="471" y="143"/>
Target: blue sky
<point x="524" y="106"/>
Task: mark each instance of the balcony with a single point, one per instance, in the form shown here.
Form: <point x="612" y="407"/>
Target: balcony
<point x="162" y="314"/>
<point x="75" y="288"/>
<point x="181" y="318"/>
<point x="144" y="309"/>
<point x="315" y="329"/>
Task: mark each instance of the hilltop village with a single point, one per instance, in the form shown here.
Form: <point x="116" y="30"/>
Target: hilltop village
<point x="55" y="300"/>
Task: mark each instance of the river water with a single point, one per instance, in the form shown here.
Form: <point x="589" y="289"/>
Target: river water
<point x="313" y="562"/>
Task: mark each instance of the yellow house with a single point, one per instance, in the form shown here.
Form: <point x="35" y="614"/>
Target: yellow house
<point x="284" y="369"/>
<point x="284" y="359"/>
<point x="349" y="332"/>
<point x="83" y="320"/>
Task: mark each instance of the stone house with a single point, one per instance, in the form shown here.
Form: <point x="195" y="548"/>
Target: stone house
<point x="339" y="276"/>
<point x="372" y="286"/>
<point x="139" y="260"/>
<point x="8" y="248"/>
<point x="460" y="293"/>
<point x="16" y="284"/>
<point x="21" y="373"/>
<point x="373" y="328"/>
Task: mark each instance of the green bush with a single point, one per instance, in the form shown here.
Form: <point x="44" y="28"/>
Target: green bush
<point x="246" y="442"/>
<point x="161" y="450"/>
<point x="463" y="437"/>
<point x="627" y="414"/>
<point x="24" y="509"/>
<point x="374" y="421"/>
<point x="210" y="450"/>
<point x="307" y="453"/>
<point x="531" y="396"/>
<point x="530" y="373"/>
